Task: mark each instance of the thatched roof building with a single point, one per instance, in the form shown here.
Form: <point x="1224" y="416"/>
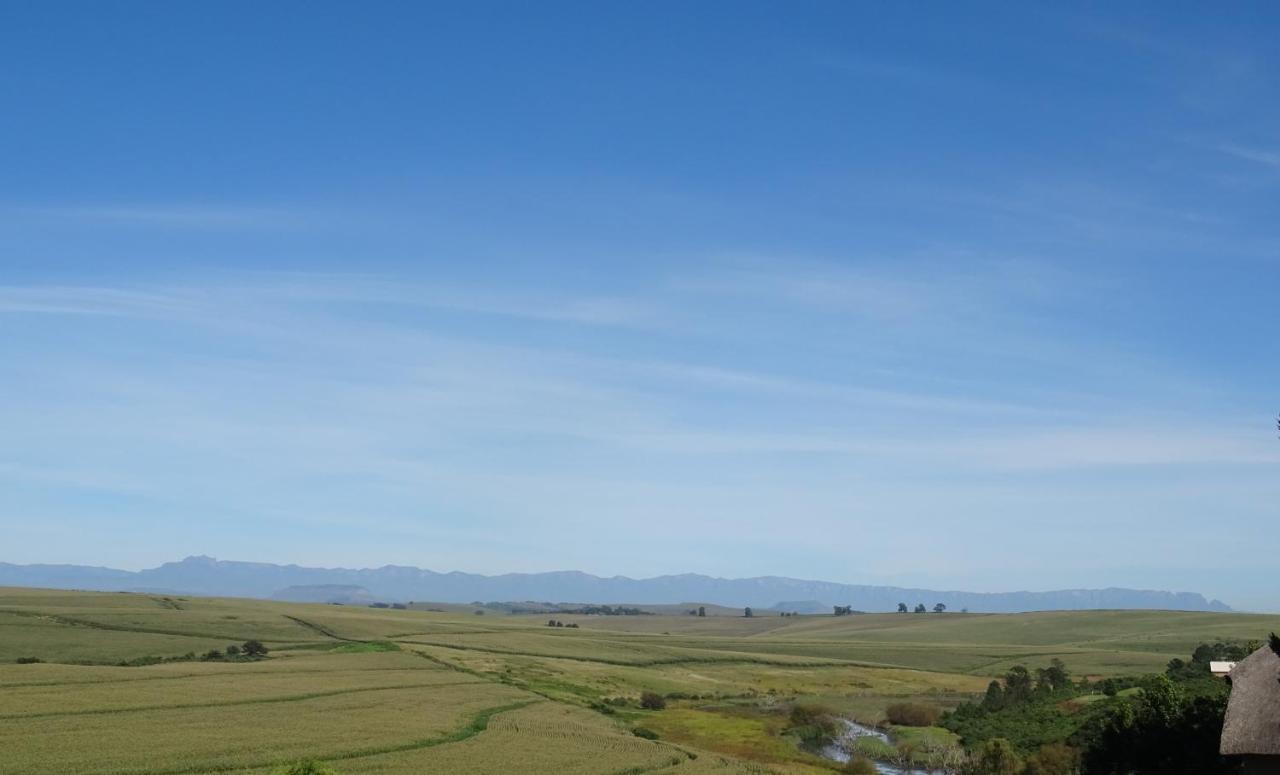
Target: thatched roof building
<point x="1252" y="725"/>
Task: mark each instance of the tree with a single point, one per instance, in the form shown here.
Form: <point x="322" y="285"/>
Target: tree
<point x="939" y="607"/>
<point x="254" y="649"/>
<point x="1017" y="685"/>
<point x="747" y="612"/>
<point x="920" y="608"/>
<point x="1053" y="678"/>
<point x="1161" y="732"/>
<point x="233" y="650"/>
<point x="902" y="608"/>
<point x="652" y="701"/>
<point x="996" y="757"/>
<point x="212" y="655"/>
<point x="702" y="610"/>
<point x="994" y="700"/>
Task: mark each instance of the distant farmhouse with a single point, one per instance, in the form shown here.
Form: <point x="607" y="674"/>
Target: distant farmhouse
<point x="1252" y="726"/>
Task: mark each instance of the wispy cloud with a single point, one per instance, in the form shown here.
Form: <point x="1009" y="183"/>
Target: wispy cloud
<point x="170" y="216"/>
<point x="94" y="300"/>
<point x="1265" y="157"/>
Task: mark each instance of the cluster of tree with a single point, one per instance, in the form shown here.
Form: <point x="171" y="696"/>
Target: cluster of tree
<point x="396" y="606"/>
<point x="920" y="608"/>
<point x="699" y="611"/>
<point x="250" y="649"/>
<point x="1038" y="723"/>
<point x="747" y="612"/>
<point x="607" y="610"/>
<point x="787" y="613"/>
<point x="558" y="623"/>
<point x="1198" y="666"/>
<point x="1020" y="686"/>
<point x="1165" y="729"/>
<point x="843" y="610"/>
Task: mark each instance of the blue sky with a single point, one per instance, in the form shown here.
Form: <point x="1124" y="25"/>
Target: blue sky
<point x="975" y="296"/>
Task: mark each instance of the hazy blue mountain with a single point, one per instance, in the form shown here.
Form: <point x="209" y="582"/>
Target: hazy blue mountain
<point x="391" y="583"/>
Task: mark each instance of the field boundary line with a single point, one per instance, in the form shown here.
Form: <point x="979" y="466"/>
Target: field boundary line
<point x="149" y="678"/>
<point x="227" y="703"/>
<point x="70" y="621"/>
<point x="325" y="631"/>
<point x="478" y="723"/>
<point x="745" y="659"/>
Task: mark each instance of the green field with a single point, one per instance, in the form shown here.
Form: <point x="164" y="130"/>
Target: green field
<point x="410" y="691"/>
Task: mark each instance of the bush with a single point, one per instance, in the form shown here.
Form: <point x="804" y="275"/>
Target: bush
<point x="1053" y="759"/>
<point x="254" y="649"/>
<point x="305" y="768"/>
<point x="233" y="650"/>
<point x="652" y="701"/>
<point x="647" y="734"/>
<point x="860" y="765"/>
<point x="814" y="724"/>
<point x="29" y="660"/>
<point x="912" y="714"/>
<point x="212" y="655"/>
<point x="995" y="757"/>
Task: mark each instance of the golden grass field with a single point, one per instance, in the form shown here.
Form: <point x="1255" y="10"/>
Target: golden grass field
<point x="405" y="691"/>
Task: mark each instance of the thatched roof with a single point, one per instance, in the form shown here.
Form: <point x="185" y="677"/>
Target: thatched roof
<point x="1252" y="725"/>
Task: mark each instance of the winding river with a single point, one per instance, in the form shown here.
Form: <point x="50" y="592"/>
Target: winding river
<point x="839" y="750"/>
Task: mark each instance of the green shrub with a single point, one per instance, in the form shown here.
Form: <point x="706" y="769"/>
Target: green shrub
<point x="814" y="724"/>
<point x="305" y="768"/>
<point x="647" y="734"/>
<point x="995" y="757"/>
<point x="1053" y="759"/>
<point x="860" y="765"/>
<point x="912" y="714"/>
<point x="29" y="660"/>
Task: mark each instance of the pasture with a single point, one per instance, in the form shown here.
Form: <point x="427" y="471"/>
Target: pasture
<point x="121" y="689"/>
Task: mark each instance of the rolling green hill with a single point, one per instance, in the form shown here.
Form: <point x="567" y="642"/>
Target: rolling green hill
<point x="121" y="687"/>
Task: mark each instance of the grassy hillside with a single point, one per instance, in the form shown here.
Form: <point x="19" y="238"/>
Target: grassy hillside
<point x="404" y="691"/>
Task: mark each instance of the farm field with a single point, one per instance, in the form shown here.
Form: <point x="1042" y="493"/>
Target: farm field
<point x="120" y="688"/>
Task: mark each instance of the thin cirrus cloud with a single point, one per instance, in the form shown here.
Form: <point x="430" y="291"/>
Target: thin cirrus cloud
<point x="169" y="216"/>
<point x="1267" y="158"/>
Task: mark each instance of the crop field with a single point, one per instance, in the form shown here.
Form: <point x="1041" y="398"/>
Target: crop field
<point x="123" y="686"/>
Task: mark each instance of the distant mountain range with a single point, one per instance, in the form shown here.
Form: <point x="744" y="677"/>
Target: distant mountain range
<point x="390" y="583"/>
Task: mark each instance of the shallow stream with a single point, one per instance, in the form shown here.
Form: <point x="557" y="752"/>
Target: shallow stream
<point x="839" y="750"/>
